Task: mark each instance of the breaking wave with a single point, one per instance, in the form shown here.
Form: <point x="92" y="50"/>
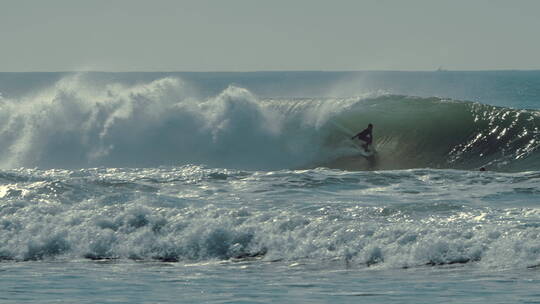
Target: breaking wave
<point x="76" y="124"/>
<point x="193" y="214"/>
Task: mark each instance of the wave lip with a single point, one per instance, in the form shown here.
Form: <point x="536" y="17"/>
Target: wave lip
<point x="74" y="125"/>
<point x="412" y="132"/>
<point x="77" y="124"/>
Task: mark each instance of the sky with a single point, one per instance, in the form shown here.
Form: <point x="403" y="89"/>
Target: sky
<point x="271" y="35"/>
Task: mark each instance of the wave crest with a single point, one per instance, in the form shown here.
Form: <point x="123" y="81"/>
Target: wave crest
<point x="77" y="124"/>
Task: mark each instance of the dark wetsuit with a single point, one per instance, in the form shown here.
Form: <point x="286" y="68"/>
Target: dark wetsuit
<point x="366" y="135"/>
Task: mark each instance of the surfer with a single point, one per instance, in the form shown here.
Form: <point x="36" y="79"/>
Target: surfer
<point x="365" y="137"/>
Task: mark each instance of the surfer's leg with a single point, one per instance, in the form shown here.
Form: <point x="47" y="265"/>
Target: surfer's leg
<point x="364" y="144"/>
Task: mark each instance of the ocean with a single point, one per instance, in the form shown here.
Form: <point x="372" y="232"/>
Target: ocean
<point x="246" y="187"/>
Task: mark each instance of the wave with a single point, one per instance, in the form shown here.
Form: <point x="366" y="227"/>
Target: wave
<point x="413" y="132"/>
<point x="77" y="124"/>
<point x="185" y="214"/>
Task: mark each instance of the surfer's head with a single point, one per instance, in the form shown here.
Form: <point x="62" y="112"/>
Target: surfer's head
<point x="370" y="126"/>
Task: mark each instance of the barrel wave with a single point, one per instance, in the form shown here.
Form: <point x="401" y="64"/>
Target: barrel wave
<point x="77" y="124"/>
<point x="414" y="132"/>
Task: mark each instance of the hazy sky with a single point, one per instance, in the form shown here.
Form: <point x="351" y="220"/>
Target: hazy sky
<point x="244" y="35"/>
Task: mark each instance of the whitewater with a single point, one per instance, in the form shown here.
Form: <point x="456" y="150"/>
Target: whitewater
<point x="246" y="187"/>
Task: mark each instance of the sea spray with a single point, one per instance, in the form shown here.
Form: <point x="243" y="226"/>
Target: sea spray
<point x="72" y="125"/>
<point x="80" y="124"/>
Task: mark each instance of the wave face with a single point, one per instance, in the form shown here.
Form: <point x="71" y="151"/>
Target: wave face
<point x="414" y="132"/>
<point x="76" y="124"/>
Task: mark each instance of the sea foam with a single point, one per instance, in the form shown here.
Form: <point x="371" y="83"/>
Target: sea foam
<point x="79" y="124"/>
<point x="193" y="214"/>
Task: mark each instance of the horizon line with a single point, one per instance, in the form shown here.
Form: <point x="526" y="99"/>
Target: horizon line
<point x="439" y="70"/>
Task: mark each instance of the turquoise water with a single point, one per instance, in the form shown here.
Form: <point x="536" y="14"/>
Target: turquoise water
<point x="176" y="188"/>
